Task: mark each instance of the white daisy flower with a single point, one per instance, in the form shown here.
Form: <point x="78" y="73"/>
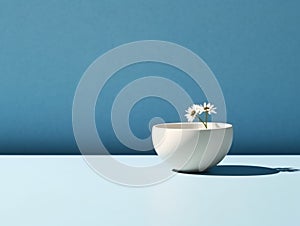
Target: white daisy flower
<point x="193" y="111"/>
<point x="209" y="108"/>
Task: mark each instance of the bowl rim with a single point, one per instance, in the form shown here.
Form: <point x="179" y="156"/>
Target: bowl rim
<point x="202" y="128"/>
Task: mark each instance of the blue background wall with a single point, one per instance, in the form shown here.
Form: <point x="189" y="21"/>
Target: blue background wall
<point x="45" y="47"/>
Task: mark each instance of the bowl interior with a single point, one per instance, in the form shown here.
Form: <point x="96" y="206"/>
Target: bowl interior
<point x="194" y="125"/>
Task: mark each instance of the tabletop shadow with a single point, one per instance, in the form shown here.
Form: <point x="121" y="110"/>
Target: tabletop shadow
<point x="239" y="170"/>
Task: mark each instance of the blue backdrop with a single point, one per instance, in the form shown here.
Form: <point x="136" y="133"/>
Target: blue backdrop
<point x="45" y="47"/>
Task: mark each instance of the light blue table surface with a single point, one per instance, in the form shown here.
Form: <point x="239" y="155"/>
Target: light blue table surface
<point x="63" y="190"/>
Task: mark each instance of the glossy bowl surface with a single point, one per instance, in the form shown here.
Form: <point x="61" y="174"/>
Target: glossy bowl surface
<point x="191" y="146"/>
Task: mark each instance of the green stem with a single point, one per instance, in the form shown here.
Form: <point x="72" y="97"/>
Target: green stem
<point x="202" y="121"/>
<point x="206" y="118"/>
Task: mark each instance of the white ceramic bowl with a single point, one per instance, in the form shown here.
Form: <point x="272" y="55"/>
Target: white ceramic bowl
<point x="190" y="146"/>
